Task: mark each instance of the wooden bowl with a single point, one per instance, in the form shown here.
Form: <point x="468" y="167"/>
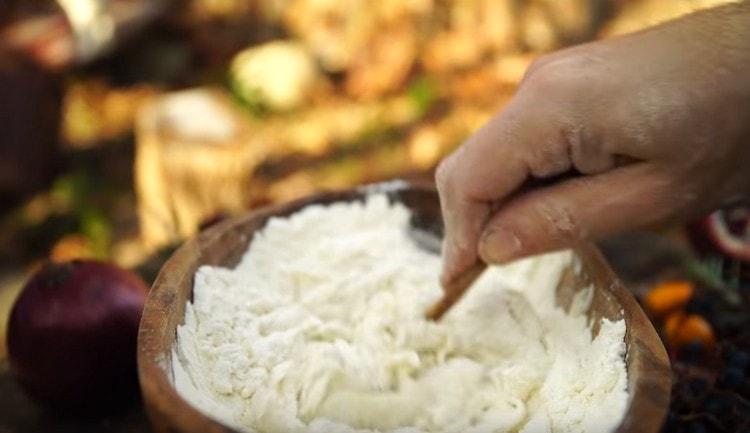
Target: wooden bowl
<point x="649" y="376"/>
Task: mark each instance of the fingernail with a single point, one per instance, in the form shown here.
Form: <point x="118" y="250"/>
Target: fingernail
<point x="499" y="246"/>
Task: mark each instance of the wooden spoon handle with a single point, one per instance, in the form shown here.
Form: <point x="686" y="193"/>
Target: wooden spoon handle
<point x="455" y="290"/>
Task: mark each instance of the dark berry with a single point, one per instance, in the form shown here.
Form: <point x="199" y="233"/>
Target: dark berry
<point x="693" y="351"/>
<point x="730" y="323"/>
<point x="671" y="424"/>
<point x="696" y="427"/>
<point x="737" y="359"/>
<point x="731" y="378"/>
<point x="698" y="386"/>
<point x="702" y="305"/>
<point x="744" y="286"/>
<point x="718" y="405"/>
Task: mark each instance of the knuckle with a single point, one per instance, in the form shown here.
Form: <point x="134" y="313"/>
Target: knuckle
<point x="444" y="173"/>
<point x="550" y="155"/>
<point x="535" y="65"/>
<point x="555" y="79"/>
<point x="545" y="79"/>
<point x="588" y="155"/>
<point x="550" y="159"/>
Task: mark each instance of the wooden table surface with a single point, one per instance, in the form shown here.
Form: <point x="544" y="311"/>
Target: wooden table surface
<point x="18" y="414"/>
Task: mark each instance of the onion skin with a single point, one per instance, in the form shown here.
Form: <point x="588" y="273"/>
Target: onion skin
<point x="709" y="235"/>
<point x="72" y="335"/>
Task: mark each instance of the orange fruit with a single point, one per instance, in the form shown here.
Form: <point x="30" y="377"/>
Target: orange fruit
<point x="694" y="328"/>
<point x="672" y="326"/>
<point x="668" y="297"/>
<point x="681" y="329"/>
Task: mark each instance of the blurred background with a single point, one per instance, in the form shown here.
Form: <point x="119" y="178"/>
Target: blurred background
<point x="129" y="125"/>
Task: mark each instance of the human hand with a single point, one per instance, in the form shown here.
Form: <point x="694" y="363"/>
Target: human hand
<point x="654" y="126"/>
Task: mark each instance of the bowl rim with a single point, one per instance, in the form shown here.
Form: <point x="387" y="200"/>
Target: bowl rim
<point x="169" y="412"/>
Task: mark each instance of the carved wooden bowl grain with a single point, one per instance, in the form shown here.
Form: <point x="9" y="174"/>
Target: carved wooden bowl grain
<point x="649" y="376"/>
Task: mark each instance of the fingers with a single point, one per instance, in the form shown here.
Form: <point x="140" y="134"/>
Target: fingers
<point x="576" y="211"/>
<point x="519" y="142"/>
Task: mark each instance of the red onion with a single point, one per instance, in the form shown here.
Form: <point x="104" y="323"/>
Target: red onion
<point x="72" y="335"/>
<point x="725" y="231"/>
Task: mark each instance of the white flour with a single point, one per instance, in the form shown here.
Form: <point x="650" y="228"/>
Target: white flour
<point x="320" y="328"/>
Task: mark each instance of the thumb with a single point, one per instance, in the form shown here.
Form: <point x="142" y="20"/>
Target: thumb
<point x="578" y="210"/>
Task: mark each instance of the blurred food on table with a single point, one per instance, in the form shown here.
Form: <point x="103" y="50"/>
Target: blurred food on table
<point x="318" y="95"/>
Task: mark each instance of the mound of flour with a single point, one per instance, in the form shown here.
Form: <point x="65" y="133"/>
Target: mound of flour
<point x="321" y="328"/>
